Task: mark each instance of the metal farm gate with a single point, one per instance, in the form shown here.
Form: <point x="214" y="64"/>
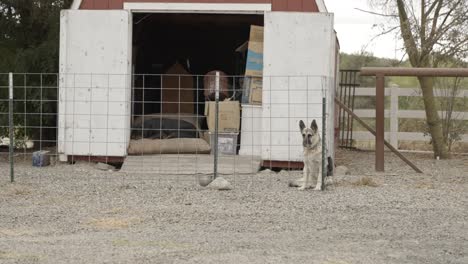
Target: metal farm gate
<point x="349" y="80"/>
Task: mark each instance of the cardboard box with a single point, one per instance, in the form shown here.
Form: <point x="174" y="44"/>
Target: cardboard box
<point x="228" y="118"/>
<point x="252" y="93"/>
<point x="254" y="65"/>
<point x="255" y="94"/>
<point x="252" y="90"/>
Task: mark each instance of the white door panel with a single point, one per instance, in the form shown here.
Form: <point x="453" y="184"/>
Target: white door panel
<point x="298" y="72"/>
<point x="95" y="82"/>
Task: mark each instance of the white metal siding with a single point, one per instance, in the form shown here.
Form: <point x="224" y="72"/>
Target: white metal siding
<point x="299" y="63"/>
<point x="251" y="132"/>
<point x="94" y="93"/>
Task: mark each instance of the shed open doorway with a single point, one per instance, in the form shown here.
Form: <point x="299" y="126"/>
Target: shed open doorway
<point x="172" y="52"/>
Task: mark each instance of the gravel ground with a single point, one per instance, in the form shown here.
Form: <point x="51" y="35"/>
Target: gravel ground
<point x="78" y="214"/>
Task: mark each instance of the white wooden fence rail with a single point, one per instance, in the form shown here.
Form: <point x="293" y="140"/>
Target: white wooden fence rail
<point x="394" y="113"/>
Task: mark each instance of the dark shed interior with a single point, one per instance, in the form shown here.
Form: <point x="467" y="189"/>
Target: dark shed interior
<point x="199" y="43"/>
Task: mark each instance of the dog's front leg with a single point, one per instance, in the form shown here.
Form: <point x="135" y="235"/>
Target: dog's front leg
<point x="318" y="187"/>
<point x="305" y="179"/>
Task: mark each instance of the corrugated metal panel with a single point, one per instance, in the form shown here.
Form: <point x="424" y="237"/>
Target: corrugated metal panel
<point x="277" y="5"/>
<point x="115" y="4"/>
<point x="118" y="4"/>
<point x="309" y="6"/>
<point x="101" y="4"/>
<point x="87" y="4"/>
<point x="294" y="5"/>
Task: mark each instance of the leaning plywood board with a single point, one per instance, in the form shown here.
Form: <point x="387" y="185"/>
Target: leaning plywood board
<point x="299" y="52"/>
<point x="95" y="78"/>
<point x="331" y="105"/>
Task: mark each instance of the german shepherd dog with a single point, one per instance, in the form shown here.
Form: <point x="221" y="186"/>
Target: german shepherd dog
<point x="312" y="144"/>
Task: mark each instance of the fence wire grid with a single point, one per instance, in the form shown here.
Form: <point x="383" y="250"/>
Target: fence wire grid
<point x="162" y="127"/>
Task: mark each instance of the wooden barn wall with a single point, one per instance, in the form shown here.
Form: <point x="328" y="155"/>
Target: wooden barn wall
<point x="277" y="5"/>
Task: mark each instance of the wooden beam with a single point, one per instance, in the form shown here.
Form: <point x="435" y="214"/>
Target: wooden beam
<point x="394" y="150"/>
<point x="282" y="164"/>
<point x="379" y="123"/>
<point x="414" y="72"/>
<point x="96" y="159"/>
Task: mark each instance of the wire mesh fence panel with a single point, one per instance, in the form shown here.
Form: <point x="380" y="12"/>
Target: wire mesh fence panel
<point x="30" y="102"/>
<point x="168" y="127"/>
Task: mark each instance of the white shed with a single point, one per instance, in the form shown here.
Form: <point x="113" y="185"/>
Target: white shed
<point x="97" y="60"/>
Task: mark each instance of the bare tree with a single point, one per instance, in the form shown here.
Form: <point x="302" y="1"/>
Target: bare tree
<point x="449" y="92"/>
<point x="433" y="31"/>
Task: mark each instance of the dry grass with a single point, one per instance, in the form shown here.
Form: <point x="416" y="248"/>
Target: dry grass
<point x="424" y="185"/>
<point x="336" y="262"/>
<point x="15" y="256"/>
<point x="22" y="191"/>
<point x="114" y="211"/>
<point x="16" y="232"/>
<point x="112" y="223"/>
<point x="159" y="244"/>
<point x="365" y="181"/>
<point x="16" y="190"/>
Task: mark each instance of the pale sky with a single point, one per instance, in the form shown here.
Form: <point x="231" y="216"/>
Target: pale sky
<point x="354" y="29"/>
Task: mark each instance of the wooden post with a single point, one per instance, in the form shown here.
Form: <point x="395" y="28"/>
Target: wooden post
<point x="394" y="92"/>
<point x="379" y="122"/>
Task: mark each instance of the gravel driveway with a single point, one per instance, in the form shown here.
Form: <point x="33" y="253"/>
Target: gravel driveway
<point x="78" y="214"/>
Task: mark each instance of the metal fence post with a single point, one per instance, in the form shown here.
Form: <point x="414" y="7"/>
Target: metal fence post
<point x="324" y="128"/>
<point x="215" y="170"/>
<point x="11" y="126"/>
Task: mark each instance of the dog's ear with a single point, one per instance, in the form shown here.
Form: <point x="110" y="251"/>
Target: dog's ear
<point x="301" y="125"/>
<point x="314" y="126"/>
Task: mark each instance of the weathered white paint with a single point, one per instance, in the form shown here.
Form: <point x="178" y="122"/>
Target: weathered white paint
<point x="336" y="122"/>
<point x="394" y="113"/>
<point x="251" y="131"/>
<point x="95" y="82"/>
<point x="394" y="117"/>
<point x="222" y="8"/>
<point x="370" y="91"/>
<point x="419" y="114"/>
<point x="299" y="69"/>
